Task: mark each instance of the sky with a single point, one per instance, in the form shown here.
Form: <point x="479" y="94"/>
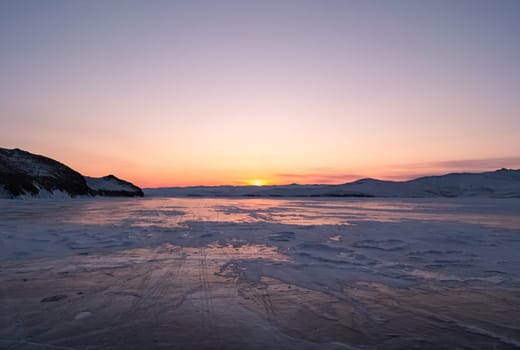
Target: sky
<point x="178" y="93"/>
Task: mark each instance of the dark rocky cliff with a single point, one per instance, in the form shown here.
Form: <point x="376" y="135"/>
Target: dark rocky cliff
<point x="23" y="173"/>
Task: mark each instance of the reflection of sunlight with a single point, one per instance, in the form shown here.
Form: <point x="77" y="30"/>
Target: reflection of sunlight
<point x="246" y="251"/>
<point x="179" y="212"/>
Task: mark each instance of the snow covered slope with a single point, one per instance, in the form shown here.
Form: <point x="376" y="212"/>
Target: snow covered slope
<point x="112" y="186"/>
<point x="502" y="183"/>
<point x="23" y="174"/>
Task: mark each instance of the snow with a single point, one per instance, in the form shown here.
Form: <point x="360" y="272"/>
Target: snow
<point x="43" y="193"/>
<point x="262" y="273"/>
<point x="106" y="183"/>
<point x="83" y="315"/>
<point x="498" y="184"/>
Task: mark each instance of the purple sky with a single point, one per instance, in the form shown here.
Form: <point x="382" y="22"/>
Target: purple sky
<point x="223" y="92"/>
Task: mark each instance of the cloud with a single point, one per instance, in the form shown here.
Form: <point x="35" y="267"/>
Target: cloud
<point x="398" y="172"/>
<point x="481" y="164"/>
<point x="415" y="170"/>
<point x="318" y="177"/>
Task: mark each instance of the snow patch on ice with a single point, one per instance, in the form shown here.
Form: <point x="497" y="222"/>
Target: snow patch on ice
<point x="83" y="315"/>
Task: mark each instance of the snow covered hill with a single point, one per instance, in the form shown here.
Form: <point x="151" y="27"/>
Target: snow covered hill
<point x="503" y="183"/>
<point x="23" y="174"/>
<point x="112" y="186"/>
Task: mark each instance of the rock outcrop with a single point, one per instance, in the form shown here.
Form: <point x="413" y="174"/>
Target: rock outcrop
<point x="26" y="174"/>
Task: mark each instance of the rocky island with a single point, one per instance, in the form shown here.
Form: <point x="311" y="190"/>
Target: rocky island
<point x="24" y="174"/>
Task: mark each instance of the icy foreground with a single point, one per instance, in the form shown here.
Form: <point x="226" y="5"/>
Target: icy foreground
<point x="169" y="273"/>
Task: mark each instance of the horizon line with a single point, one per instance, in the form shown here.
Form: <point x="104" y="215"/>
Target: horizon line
<point x="338" y="184"/>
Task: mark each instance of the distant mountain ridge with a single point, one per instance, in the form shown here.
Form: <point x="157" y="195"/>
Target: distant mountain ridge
<point x="24" y="174"/>
<point x="503" y="183"/>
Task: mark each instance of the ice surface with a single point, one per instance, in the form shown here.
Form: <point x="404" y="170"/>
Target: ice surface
<point x="210" y="273"/>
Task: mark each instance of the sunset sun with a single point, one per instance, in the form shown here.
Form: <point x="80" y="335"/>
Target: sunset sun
<point x="256" y="182"/>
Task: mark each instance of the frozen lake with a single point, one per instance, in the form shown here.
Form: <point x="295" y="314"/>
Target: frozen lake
<point x="206" y="273"/>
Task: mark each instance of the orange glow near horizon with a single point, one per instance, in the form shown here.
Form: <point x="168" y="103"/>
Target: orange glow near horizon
<point x="257" y="182"/>
<point x="158" y="168"/>
<point x="148" y="166"/>
<point x="148" y="177"/>
<point x="148" y="169"/>
<point x="263" y="93"/>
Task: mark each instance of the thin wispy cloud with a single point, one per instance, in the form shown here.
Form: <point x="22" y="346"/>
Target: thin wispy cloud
<point x="400" y="172"/>
<point x="317" y="178"/>
<point x="485" y="163"/>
